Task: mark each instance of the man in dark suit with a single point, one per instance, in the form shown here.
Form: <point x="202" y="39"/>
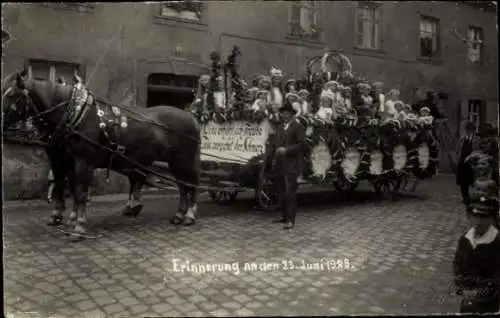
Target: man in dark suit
<point x="288" y="147"/>
<point x="465" y="174"/>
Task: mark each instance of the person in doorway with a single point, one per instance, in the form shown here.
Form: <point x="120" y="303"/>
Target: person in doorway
<point x="287" y="148"/>
<point x="476" y="265"/>
<point x="466" y="145"/>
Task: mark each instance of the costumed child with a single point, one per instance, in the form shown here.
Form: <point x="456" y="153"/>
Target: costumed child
<point x="364" y="103"/>
<point x="260" y="105"/>
<point x="291" y="86"/>
<point x="200" y="102"/>
<point x="305" y="107"/>
<point x="200" y="99"/>
<point x="402" y="115"/>
<point x="294" y="100"/>
<point x="390" y="107"/>
<point x="331" y="87"/>
<point x="220" y="99"/>
<point x="425" y="118"/>
<point x="261" y="101"/>
<point x="277" y="97"/>
<point x="481" y="164"/>
<point x="264" y="83"/>
<point x="378" y="98"/>
<point x="347" y="94"/>
<point x="326" y="111"/>
<point x="251" y="96"/>
<point x="476" y="265"/>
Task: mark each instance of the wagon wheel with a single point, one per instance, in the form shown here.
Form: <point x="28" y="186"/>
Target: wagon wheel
<point x="393" y="185"/>
<point x="389" y="187"/>
<point x="223" y="197"/>
<point x="345" y="186"/>
<point x="266" y="192"/>
<point x="350" y="166"/>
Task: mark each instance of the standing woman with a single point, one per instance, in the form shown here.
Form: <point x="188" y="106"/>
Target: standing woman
<point x="465" y="174"/>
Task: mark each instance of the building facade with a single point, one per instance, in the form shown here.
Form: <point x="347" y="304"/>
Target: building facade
<point x="152" y="53"/>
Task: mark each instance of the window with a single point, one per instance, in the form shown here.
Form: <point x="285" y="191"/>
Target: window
<point x="188" y="9"/>
<point x="369" y="26"/>
<point x="75" y="6"/>
<point x="475" y="44"/>
<point x="303" y="19"/>
<point x="52" y="71"/>
<point x="429" y="37"/>
<point x="476" y="112"/>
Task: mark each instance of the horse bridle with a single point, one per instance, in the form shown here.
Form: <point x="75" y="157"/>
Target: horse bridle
<point x="24" y="100"/>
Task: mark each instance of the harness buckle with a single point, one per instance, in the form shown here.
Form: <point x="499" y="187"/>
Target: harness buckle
<point x="120" y="149"/>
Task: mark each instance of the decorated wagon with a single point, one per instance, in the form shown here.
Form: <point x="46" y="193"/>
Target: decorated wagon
<point x="346" y="146"/>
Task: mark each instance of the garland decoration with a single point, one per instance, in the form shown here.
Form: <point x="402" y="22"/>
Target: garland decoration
<point x="365" y="133"/>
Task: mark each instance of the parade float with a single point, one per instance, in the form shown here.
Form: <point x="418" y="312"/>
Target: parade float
<point x="237" y="120"/>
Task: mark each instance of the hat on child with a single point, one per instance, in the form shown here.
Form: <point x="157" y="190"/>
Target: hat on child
<point x="288" y="95"/>
<point x="303" y="92"/>
<point x="482" y="206"/>
<point x="425" y="109"/>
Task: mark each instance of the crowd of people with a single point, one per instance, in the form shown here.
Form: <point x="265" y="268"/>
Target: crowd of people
<point x="357" y="103"/>
<point x="477" y="258"/>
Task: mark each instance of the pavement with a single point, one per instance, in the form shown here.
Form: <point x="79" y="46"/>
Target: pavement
<point x="347" y="255"/>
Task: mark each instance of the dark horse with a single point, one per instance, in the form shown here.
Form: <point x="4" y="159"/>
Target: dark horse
<point x="91" y="133"/>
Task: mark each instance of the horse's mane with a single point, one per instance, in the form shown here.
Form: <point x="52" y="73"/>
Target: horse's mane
<point x="6" y="81"/>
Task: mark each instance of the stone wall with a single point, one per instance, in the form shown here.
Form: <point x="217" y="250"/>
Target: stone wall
<point x="25" y="172"/>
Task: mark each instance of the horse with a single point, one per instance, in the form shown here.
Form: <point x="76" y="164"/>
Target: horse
<point x="96" y="134"/>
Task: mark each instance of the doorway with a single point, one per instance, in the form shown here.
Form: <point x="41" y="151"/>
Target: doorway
<point x="171" y="89"/>
<point x="170" y="98"/>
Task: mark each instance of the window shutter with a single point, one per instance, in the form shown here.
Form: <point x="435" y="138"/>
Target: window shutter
<point x="358" y="26"/>
<point x="438" y="37"/>
<point x="381" y="27"/>
<point x="482" y="112"/>
<point x="464" y="111"/>
<point x="294" y="20"/>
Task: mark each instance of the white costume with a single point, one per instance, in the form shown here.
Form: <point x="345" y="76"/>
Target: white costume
<point x="276" y="94"/>
<point x="390" y="109"/>
<point x="426" y="120"/>
<point x="220" y="99"/>
<point x="326" y="113"/>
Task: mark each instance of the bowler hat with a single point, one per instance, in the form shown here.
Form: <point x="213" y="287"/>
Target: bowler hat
<point x="470" y="126"/>
<point x="287" y="107"/>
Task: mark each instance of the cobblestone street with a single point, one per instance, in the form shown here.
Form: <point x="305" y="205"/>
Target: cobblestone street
<point x="372" y="256"/>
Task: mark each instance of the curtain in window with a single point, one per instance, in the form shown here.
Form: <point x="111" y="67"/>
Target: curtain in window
<point x="428" y="38"/>
<point x="307" y="18"/>
<point x="295" y="18"/>
<point x="474" y="48"/>
<point x="368" y="30"/>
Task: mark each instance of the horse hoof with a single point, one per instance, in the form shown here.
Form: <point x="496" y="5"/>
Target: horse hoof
<point x="176" y="220"/>
<point x="136" y="210"/>
<point x="55" y="221"/>
<point x="188" y="221"/>
<point x="127" y="211"/>
<point x="76" y="238"/>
